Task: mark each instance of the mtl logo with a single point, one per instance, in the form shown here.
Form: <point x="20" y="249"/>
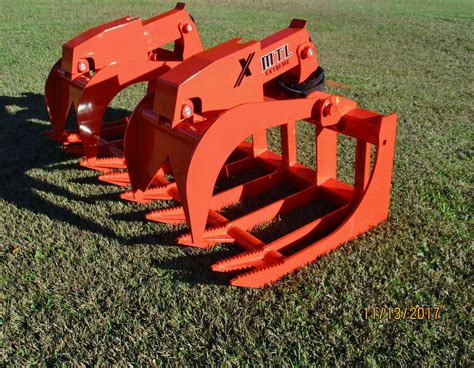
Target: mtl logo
<point x="275" y="57"/>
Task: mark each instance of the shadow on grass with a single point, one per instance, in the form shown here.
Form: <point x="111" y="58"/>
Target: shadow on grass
<point x="24" y="147"/>
<point x="196" y="269"/>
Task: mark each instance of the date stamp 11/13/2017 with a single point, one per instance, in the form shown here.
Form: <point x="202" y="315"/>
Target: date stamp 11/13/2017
<point x="402" y="313"/>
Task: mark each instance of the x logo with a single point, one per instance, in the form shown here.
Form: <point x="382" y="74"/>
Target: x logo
<point x="245" y="64"/>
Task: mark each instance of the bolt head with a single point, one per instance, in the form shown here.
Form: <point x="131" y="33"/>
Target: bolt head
<point x="310" y="52"/>
<point x="187" y="111"/>
<point x="330" y="110"/>
<point x="188" y="27"/>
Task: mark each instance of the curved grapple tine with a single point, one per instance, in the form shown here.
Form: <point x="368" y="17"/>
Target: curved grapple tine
<point x="92" y="105"/>
<point x="144" y="153"/>
<point x="203" y="172"/>
<point x="58" y="101"/>
<point x="99" y="93"/>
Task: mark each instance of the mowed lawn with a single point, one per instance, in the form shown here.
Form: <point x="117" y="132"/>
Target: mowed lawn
<point x="86" y="280"/>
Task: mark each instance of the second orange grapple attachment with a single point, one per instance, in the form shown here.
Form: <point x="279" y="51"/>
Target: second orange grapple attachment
<point x="195" y="126"/>
<point x="98" y="64"/>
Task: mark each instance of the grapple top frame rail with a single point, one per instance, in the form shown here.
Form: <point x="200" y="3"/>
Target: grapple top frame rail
<point x="204" y="109"/>
<point x="98" y="64"/>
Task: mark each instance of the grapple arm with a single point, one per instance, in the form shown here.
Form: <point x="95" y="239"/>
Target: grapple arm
<point x="129" y="39"/>
<point x="233" y="73"/>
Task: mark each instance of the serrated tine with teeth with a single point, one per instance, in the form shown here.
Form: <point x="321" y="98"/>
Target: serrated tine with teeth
<point x="120" y="178"/>
<point x="251" y="259"/>
<point x="173" y="215"/>
<point x="161" y="193"/>
<point x="260" y="277"/>
<point x="240" y="262"/>
<point x="72" y="138"/>
<point x="105" y="163"/>
<point x="211" y="237"/>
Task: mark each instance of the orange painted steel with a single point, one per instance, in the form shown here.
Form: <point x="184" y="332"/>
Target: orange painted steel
<point x="194" y="126"/>
<point x="98" y="64"/>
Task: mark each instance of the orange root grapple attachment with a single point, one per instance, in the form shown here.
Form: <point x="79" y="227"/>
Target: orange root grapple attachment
<point x="98" y="64"/>
<point x="195" y="125"/>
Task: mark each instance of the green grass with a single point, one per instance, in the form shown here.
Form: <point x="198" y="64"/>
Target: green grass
<point x="85" y="280"/>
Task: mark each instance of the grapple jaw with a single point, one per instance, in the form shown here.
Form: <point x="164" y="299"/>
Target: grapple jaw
<point x="98" y="64"/>
<point x="232" y="94"/>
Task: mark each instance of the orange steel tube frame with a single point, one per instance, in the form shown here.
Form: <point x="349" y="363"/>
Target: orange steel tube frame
<point x="101" y="62"/>
<point x="194" y="144"/>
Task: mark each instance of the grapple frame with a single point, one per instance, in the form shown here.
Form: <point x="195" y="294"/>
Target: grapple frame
<point x="200" y="114"/>
<point x="98" y="64"/>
